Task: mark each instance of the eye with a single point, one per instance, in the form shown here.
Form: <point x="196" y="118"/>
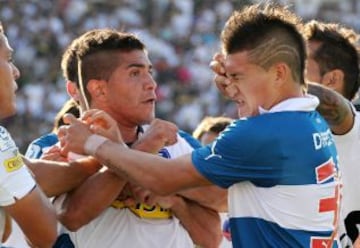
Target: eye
<point x="135" y="73"/>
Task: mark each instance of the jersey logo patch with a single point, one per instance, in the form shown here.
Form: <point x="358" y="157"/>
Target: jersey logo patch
<point x="213" y="154"/>
<point x="325" y="171"/>
<point x="320" y="242"/>
<point x="164" y="153"/>
<point x="13" y="163"/>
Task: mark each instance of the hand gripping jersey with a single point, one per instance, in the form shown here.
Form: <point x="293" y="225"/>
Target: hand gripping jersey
<point x="156" y="212"/>
<point x="15" y="179"/>
<point x="281" y="171"/>
<point x="121" y="227"/>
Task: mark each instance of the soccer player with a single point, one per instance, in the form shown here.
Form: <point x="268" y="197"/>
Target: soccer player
<point x="280" y="163"/>
<point x="20" y="197"/>
<point x="334" y="63"/>
<point x="106" y="211"/>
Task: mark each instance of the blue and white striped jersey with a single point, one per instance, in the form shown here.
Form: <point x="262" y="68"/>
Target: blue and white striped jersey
<point x="281" y="171"/>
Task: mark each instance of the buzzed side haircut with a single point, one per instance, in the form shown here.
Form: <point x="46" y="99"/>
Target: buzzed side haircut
<point x="271" y="34"/>
<point x="98" y="50"/>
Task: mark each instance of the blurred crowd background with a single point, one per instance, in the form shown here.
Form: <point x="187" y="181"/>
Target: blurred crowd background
<point x="181" y="35"/>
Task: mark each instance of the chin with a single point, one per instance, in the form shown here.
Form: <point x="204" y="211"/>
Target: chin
<point x="7" y="114"/>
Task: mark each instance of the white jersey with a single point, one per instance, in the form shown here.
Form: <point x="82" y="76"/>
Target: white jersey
<point x="122" y="228"/>
<point x="348" y="147"/>
<point x="15" y="179"/>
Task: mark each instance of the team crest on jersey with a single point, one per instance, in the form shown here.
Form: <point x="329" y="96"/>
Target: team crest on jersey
<point x="164" y="153"/>
<point x="13" y="163"/>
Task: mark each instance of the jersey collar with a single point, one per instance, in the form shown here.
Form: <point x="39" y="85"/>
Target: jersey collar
<point x="305" y="103"/>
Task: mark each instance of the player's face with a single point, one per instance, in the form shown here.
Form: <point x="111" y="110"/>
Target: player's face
<point x="8" y="74"/>
<point x="312" y="67"/>
<point x="131" y="90"/>
<point x="314" y="74"/>
<point x="251" y="82"/>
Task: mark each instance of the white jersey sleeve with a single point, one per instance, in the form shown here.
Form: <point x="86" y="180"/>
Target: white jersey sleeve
<point x="15" y="179"/>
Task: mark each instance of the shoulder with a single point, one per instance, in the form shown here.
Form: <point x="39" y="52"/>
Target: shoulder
<point x="45" y="140"/>
<point x="35" y="149"/>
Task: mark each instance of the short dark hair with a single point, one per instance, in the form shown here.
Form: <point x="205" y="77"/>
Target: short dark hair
<point x="69" y="107"/>
<point x="97" y="50"/>
<point x="337" y="50"/>
<point x="271" y="33"/>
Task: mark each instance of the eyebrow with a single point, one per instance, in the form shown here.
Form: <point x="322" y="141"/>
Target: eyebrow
<point x="139" y="66"/>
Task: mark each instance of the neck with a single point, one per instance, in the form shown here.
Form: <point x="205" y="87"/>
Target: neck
<point x="129" y="134"/>
<point x="292" y="91"/>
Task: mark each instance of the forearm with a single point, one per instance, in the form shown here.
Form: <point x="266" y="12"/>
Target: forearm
<point x="36" y="218"/>
<point x="202" y="224"/>
<point x="334" y="108"/>
<point x="212" y="197"/>
<point x="56" y="178"/>
<point x="149" y="171"/>
<point x="80" y="207"/>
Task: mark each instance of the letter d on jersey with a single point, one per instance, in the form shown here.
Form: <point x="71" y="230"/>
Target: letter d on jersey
<point x="317" y="141"/>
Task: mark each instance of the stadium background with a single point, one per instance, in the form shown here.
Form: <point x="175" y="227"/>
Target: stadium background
<point x="181" y="36"/>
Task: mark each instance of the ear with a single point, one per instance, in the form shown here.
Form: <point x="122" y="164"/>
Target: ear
<point x="96" y="89"/>
<point x="334" y="79"/>
<point x="73" y="90"/>
<point x="281" y="73"/>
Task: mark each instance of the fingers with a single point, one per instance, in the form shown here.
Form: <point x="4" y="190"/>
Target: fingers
<point x="217" y="64"/>
<point x="221" y="81"/>
<point x="219" y="57"/>
<point x="69" y="118"/>
<point x="98" y="117"/>
<point x="171" y="139"/>
<point x="54" y="154"/>
<point x="140" y="194"/>
<point x="217" y="67"/>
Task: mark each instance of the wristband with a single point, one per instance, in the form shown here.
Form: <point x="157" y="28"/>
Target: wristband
<point x="93" y="142"/>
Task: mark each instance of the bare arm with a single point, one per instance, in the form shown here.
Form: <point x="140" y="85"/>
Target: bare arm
<point x="212" y="197"/>
<point x="7" y="228"/>
<point x="36" y="217"/>
<point x="203" y="224"/>
<point x="90" y="199"/>
<point x="334" y="108"/>
<point x="149" y="171"/>
<point x="56" y="178"/>
<point x="79" y="208"/>
<point x="183" y="211"/>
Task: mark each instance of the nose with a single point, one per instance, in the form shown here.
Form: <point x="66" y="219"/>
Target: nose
<point x="16" y="72"/>
<point x="151" y="83"/>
